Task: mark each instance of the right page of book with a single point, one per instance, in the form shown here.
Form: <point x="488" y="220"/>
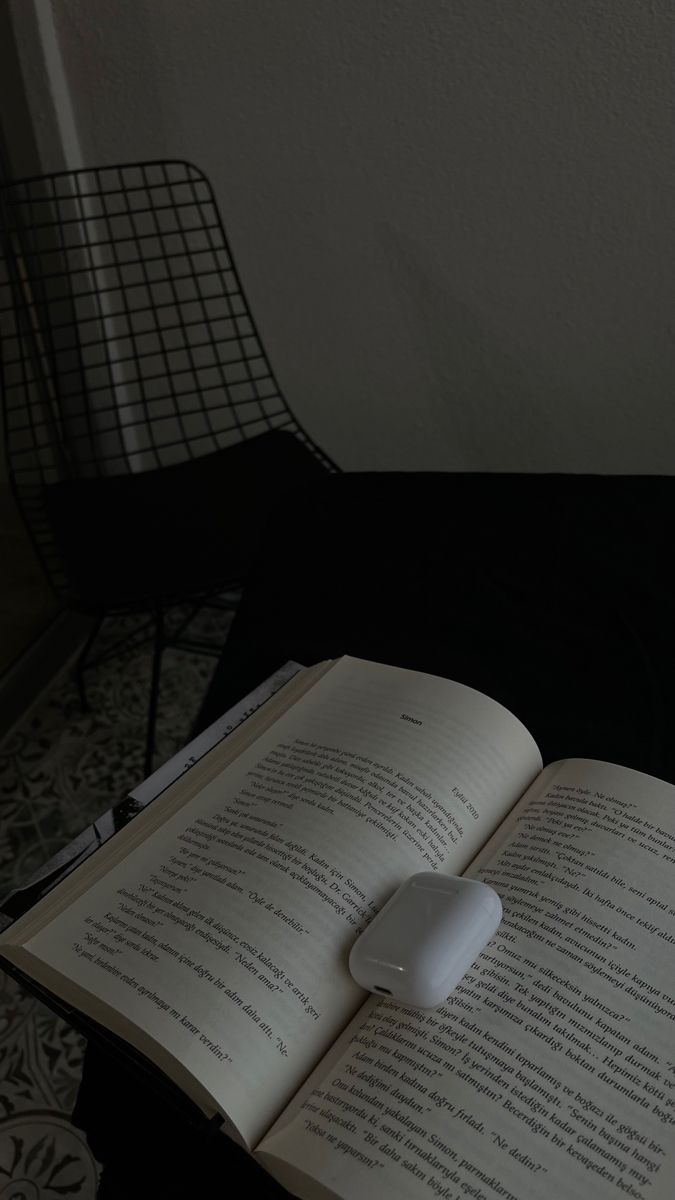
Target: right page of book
<point x="551" y="1068"/>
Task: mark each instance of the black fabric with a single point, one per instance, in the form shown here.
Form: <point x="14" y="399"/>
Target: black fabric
<point x="553" y="594"/>
<point x="152" y="1150"/>
<point x="183" y="530"/>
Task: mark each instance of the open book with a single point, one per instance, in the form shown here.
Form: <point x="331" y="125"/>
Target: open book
<point x="213" y="935"/>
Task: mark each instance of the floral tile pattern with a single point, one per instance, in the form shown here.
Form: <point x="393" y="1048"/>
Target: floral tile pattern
<point x="41" y="1156"/>
<point x="60" y="768"/>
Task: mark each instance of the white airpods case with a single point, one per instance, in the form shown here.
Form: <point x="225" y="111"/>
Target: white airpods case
<point x="425" y="938"/>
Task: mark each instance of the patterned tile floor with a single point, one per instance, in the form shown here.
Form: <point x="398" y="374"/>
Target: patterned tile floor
<point x="60" y="768"/>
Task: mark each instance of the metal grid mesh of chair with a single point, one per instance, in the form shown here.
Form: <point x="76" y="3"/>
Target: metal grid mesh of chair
<point x="127" y="340"/>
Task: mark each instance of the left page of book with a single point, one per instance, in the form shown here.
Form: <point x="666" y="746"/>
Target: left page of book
<point x="218" y="944"/>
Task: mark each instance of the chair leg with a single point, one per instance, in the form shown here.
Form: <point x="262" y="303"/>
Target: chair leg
<point x="81" y="664"/>
<point x="154" y="689"/>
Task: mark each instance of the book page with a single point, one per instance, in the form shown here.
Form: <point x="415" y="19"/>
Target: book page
<point x="551" y="1068"/>
<point x="224" y="937"/>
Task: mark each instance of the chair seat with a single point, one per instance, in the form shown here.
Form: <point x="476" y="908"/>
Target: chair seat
<point x="183" y="530"/>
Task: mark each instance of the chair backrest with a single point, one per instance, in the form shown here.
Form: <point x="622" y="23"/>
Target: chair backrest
<point x="126" y="339"/>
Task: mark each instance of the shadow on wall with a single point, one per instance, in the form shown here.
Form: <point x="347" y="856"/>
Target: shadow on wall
<point x="476" y="385"/>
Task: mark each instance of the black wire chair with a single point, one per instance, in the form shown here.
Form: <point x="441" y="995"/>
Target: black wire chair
<point x="146" y="436"/>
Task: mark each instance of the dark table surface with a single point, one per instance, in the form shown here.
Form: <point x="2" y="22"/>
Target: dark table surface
<point x="553" y="594"/>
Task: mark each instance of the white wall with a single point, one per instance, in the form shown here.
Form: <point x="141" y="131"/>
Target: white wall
<point x="453" y="218"/>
